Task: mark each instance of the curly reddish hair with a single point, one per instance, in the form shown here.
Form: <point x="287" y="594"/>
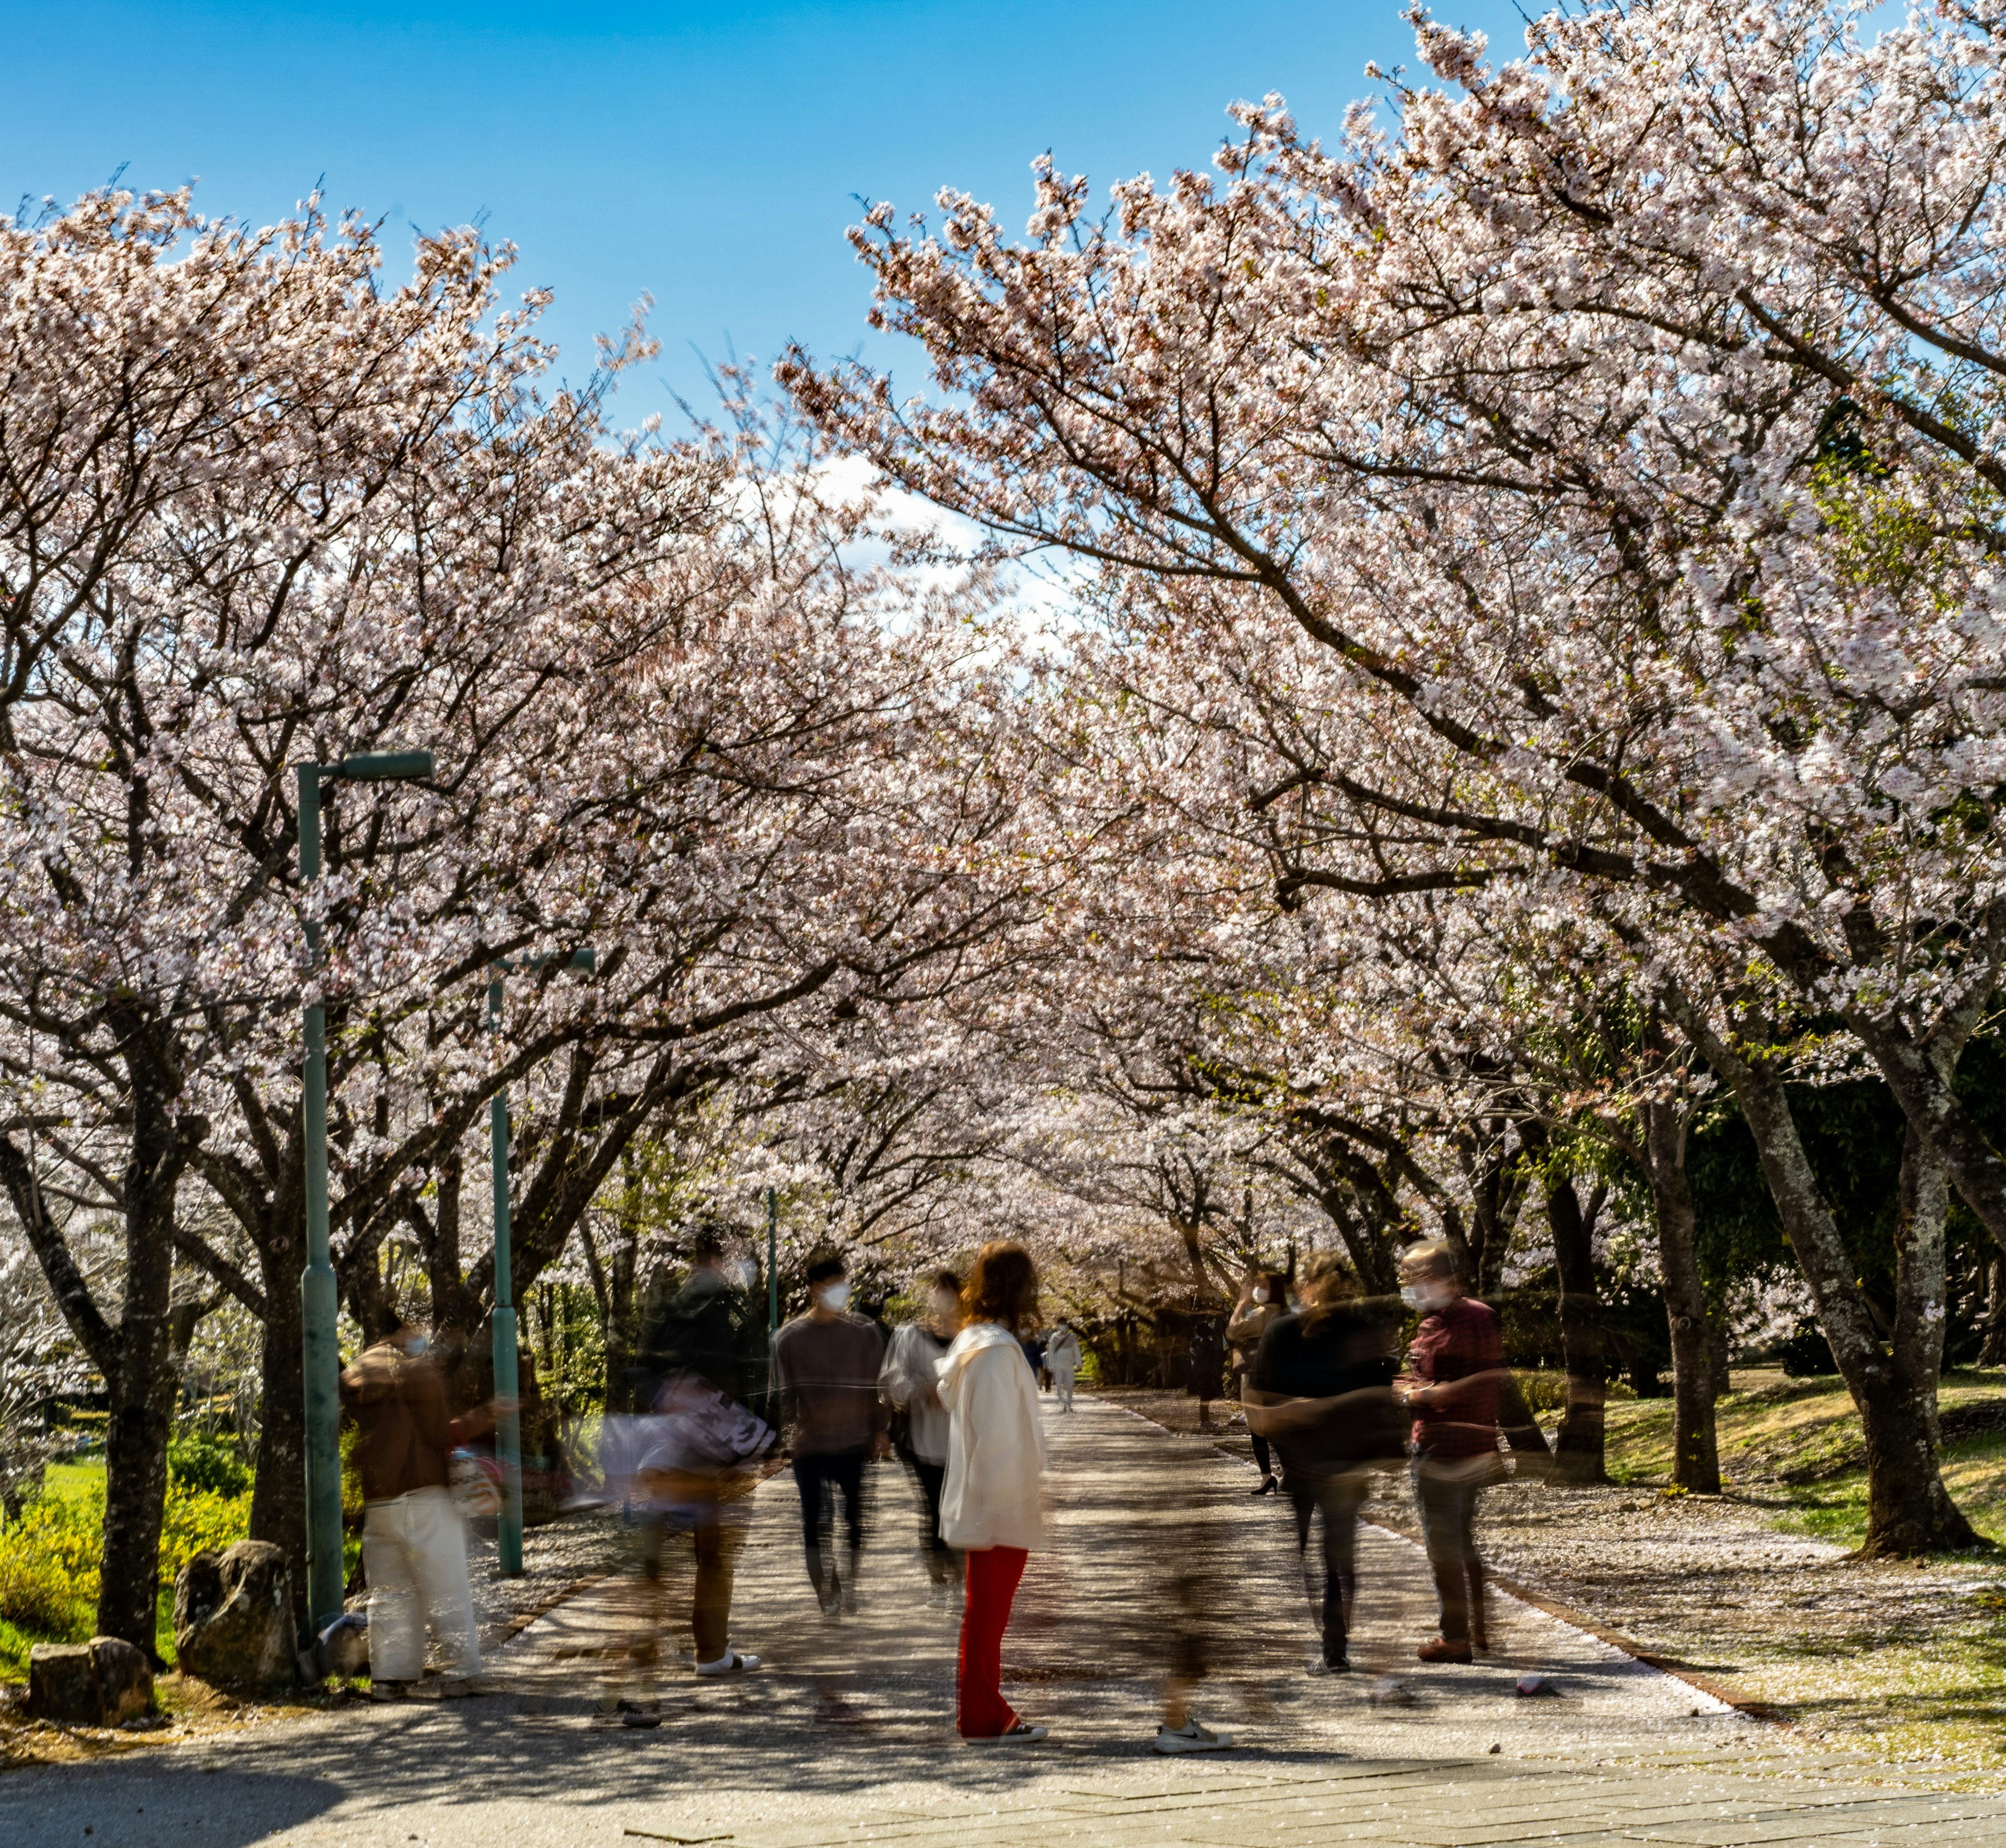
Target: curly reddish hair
<point x="1003" y="1287"/>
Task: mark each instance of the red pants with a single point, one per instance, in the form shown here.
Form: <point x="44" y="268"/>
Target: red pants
<point x="981" y="1710"/>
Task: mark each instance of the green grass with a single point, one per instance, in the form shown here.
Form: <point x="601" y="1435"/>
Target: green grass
<point x="49" y="1559"/>
<point x="1798" y="1442"/>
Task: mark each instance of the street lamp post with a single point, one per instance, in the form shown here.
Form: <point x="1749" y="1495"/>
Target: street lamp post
<point x="509" y="1423"/>
<point x="319" y="1298"/>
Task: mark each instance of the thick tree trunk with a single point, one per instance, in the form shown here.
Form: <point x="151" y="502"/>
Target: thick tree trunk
<point x="1992" y="1350"/>
<point x="1919" y="1073"/>
<point x="1695" y="1452"/>
<point x="279" y="1495"/>
<point x="142" y="1388"/>
<point x="1578" y="1448"/>
<point x="1909" y="1511"/>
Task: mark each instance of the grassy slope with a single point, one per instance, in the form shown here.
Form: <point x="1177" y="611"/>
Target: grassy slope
<point x="1798" y="1442"/>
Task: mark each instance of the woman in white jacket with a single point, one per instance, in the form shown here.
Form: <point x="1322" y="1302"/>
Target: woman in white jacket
<point x="992" y="1507"/>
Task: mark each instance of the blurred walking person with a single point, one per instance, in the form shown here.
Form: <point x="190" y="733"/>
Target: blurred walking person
<point x="1456" y="1363"/>
<point x="992" y="1507"/>
<point x="1207" y="1366"/>
<point x="686" y="1465"/>
<point x="826" y="1368"/>
<point x="413" y="1545"/>
<point x="1320" y="1389"/>
<point x="1264" y="1299"/>
<point x="910" y="1384"/>
<point x="1062" y="1362"/>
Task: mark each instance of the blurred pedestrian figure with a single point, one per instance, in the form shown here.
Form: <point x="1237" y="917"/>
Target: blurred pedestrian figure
<point x="910" y="1384"/>
<point x="1034" y="1345"/>
<point x="686" y="1471"/>
<point x="825" y="1368"/>
<point x="1062" y="1362"/>
<point x="1457" y="1364"/>
<point x="992" y="1506"/>
<point x="1263" y="1301"/>
<point x="1207" y="1363"/>
<point x="1321" y="1388"/>
<point x="413" y="1545"/>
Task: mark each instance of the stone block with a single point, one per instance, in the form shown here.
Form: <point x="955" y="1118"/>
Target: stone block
<point x="125" y="1679"/>
<point x="234" y="1617"/>
<point x="104" y="1682"/>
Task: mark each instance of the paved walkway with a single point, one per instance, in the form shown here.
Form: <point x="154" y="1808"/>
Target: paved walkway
<point x="847" y="1736"/>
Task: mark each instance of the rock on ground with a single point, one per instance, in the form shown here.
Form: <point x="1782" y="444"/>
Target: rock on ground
<point x="104" y="1682"/>
<point x="233" y="1617"/>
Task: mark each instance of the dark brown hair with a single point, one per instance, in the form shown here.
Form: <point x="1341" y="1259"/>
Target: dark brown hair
<point x="944" y="1279"/>
<point x="1003" y="1287"/>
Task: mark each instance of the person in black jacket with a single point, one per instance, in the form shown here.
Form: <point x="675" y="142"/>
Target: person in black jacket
<point x="695" y="1330"/>
<point x="1320" y="1390"/>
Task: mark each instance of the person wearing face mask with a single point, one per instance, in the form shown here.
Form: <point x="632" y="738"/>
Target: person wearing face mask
<point x="1455" y="1365"/>
<point x="1062" y="1362"/>
<point x="910" y="1383"/>
<point x="826" y="1368"/>
<point x="413" y="1547"/>
<point x="1263" y="1301"/>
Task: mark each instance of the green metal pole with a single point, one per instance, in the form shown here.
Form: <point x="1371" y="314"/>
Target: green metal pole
<point x="772" y="1272"/>
<point x="320" y="1355"/>
<point x="508" y="1423"/>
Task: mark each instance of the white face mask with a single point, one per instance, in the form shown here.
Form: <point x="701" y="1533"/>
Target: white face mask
<point x="1260" y="1296"/>
<point x="415" y="1345"/>
<point x="1424" y="1296"/>
<point x="835" y="1297"/>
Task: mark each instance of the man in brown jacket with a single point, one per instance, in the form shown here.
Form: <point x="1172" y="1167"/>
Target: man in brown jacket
<point x="413" y="1548"/>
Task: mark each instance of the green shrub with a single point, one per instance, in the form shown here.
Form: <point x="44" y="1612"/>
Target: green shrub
<point x="201" y="1462"/>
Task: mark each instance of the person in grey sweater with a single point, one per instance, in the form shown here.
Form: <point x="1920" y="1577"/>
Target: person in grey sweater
<point x="910" y="1385"/>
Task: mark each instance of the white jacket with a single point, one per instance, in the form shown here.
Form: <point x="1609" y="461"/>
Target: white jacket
<point x="1062" y="1350"/>
<point x="993" y="1495"/>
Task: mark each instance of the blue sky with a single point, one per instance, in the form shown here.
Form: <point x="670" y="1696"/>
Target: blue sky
<point x="708" y="155"/>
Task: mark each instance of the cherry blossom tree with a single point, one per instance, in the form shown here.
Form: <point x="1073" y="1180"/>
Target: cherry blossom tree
<point x="1616" y="435"/>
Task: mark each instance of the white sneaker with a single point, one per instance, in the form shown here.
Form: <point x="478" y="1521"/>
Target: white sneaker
<point x="1192" y="1737"/>
<point x="1019" y="1734"/>
<point x="731" y="1662"/>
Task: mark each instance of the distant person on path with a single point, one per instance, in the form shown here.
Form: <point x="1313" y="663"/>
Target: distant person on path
<point x="1264" y="1299"/>
<point x="413" y="1546"/>
<point x="910" y="1384"/>
<point x="1320" y="1388"/>
<point x="1456" y="1363"/>
<point x="992" y="1508"/>
<point x="825" y="1368"/>
<point x="1207" y="1365"/>
<point x="1062" y="1362"/>
<point x="1033" y="1346"/>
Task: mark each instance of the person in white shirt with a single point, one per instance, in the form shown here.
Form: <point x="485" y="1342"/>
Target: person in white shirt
<point x="1062" y="1362"/>
<point x="992" y="1504"/>
<point x="910" y="1384"/>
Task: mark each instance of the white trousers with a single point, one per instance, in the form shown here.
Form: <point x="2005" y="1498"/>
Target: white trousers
<point x="414" y="1556"/>
<point x="1062" y="1384"/>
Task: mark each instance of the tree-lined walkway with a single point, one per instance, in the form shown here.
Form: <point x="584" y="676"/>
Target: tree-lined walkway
<point x="846" y="1735"/>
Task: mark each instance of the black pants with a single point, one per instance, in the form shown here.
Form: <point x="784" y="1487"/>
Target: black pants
<point x="943" y="1562"/>
<point x="815" y="1477"/>
<point x="1446" y="1493"/>
<point x="1338" y="1498"/>
<point x="1262" y="1454"/>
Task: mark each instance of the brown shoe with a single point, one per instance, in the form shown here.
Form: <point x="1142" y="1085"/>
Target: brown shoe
<point x="1441" y="1651"/>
